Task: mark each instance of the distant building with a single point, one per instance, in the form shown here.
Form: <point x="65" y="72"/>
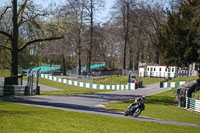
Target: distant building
<point x="161" y="71"/>
<point x="158" y="71"/>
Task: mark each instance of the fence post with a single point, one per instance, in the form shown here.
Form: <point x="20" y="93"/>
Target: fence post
<point x="37" y="89"/>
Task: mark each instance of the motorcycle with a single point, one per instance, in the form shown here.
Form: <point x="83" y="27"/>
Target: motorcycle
<point x="135" y="108"/>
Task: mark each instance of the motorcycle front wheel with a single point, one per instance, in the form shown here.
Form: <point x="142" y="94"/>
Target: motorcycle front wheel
<point x="126" y="112"/>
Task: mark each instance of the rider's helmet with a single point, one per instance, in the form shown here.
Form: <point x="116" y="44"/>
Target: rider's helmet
<point x="144" y="98"/>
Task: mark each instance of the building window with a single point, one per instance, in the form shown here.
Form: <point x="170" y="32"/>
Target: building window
<point x="165" y="69"/>
<point x="172" y="69"/>
<point x="169" y="69"/>
<point x="154" y="69"/>
<point x="151" y="69"/>
<point x="160" y="69"/>
<point x="148" y="69"/>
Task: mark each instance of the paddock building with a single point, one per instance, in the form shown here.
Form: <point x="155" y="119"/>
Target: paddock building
<point x="158" y="71"/>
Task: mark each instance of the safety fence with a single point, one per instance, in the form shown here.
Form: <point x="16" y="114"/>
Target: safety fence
<point x="171" y="84"/>
<point x="43" y="69"/>
<point x="14" y="90"/>
<point x="130" y="86"/>
<point x="193" y="104"/>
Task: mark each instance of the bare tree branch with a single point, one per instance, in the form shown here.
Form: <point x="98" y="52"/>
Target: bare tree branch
<point x="29" y="20"/>
<point x="38" y="40"/>
<point x="21" y="11"/>
<point x="6" y="34"/>
<point x="4" y="46"/>
<point x="4" y="12"/>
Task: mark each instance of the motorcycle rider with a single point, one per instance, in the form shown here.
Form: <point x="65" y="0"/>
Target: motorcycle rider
<point x="136" y="107"/>
<point x="140" y="100"/>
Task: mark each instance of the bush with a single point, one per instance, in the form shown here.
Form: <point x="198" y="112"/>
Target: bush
<point x="196" y="95"/>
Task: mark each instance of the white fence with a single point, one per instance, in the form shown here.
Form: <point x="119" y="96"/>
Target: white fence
<point x="130" y="86"/>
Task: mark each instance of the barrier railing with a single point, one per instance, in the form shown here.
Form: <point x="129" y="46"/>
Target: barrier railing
<point x="171" y="84"/>
<point x="193" y="104"/>
<point x="130" y="86"/>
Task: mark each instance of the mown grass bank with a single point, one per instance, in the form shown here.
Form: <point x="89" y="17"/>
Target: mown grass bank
<point x="124" y="80"/>
<point x="183" y="79"/>
<point x="162" y="106"/>
<point x="17" y="118"/>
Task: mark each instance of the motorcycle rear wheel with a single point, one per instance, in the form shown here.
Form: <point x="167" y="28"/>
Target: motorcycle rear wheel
<point x="137" y="112"/>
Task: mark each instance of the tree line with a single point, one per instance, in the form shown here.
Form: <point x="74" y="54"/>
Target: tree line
<point x="137" y="32"/>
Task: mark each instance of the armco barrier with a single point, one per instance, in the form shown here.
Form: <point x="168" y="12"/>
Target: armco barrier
<point x="130" y="86"/>
<point x="193" y="104"/>
<point x="171" y="84"/>
<point x="14" y="90"/>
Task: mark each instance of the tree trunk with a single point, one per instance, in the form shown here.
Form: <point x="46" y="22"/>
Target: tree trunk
<point x="126" y="30"/>
<point x="91" y="38"/>
<point x="64" y="64"/>
<point x="136" y="62"/>
<point x="14" y="51"/>
<point x="79" y="41"/>
<point x="157" y="57"/>
<point x="79" y="61"/>
<point x="130" y="58"/>
<point x="124" y="56"/>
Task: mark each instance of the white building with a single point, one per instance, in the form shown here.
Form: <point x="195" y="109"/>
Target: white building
<point x="158" y="71"/>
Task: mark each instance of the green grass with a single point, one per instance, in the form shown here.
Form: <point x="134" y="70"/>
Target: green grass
<point x="162" y="106"/>
<point x="4" y="73"/>
<point x="109" y="80"/>
<point x="124" y="80"/>
<point x="183" y="79"/>
<point x="147" y="81"/>
<point x="17" y="118"/>
<point x="66" y="89"/>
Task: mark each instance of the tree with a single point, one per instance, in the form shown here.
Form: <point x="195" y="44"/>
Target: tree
<point x="19" y="18"/>
<point x="76" y="10"/>
<point x="155" y="17"/>
<point x="178" y="43"/>
<point x="124" y="16"/>
<point x="91" y="8"/>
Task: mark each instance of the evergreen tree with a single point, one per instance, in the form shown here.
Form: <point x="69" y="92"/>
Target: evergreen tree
<point x="178" y="39"/>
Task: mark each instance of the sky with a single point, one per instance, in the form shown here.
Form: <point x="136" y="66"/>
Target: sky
<point x="102" y="15"/>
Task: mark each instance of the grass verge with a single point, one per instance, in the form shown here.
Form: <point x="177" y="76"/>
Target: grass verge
<point x="162" y="106"/>
<point x="66" y="89"/>
<point x="124" y="80"/>
<point x="109" y="80"/>
<point x="147" y="81"/>
<point x="183" y="79"/>
<point x="17" y="118"/>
